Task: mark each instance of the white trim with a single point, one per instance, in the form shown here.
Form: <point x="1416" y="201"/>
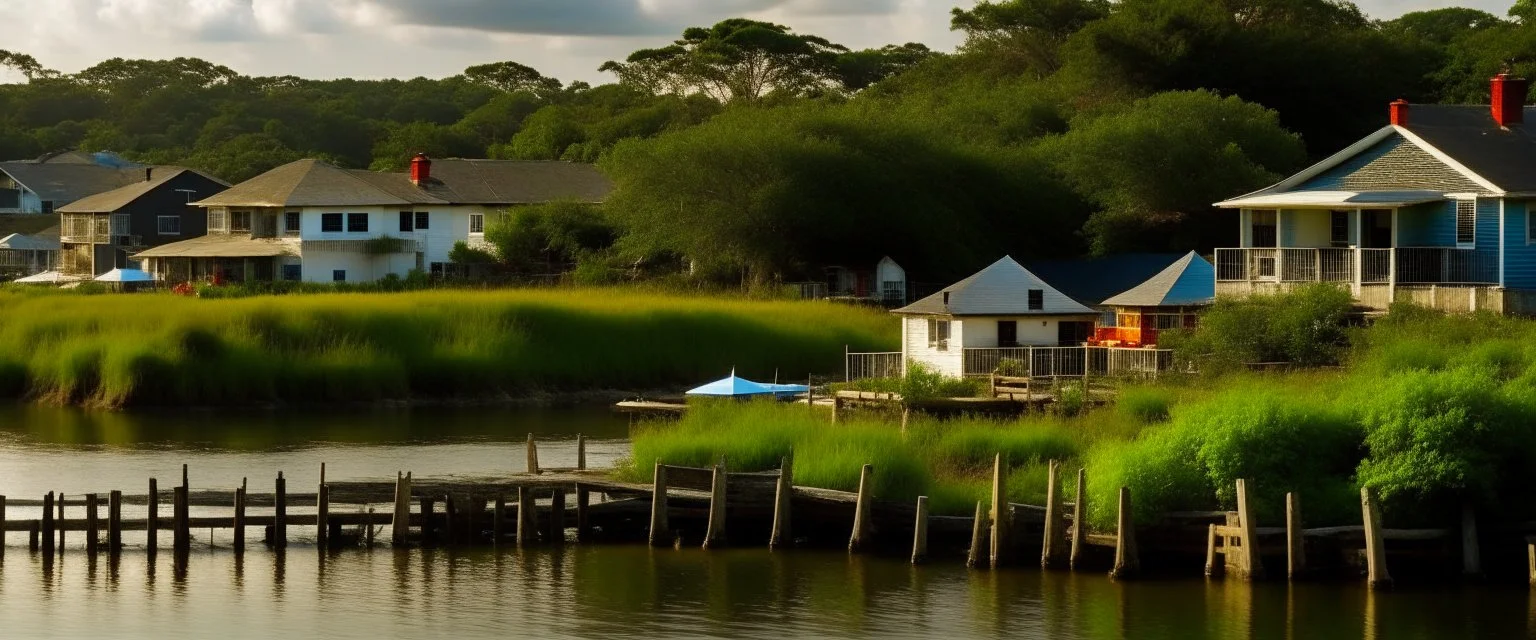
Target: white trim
<point x="1502" y="241"/>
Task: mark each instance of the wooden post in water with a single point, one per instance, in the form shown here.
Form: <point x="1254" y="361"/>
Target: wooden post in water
<point x="1054" y="547"/>
<point x="182" y="536"/>
<point x="1000" y="516"/>
<point x="400" y="523"/>
<point x="660" y="536"/>
<point x="1127" y="562"/>
<point x="974" y="557"/>
<point x="33" y="532"/>
<point x="1530" y="557"/>
<point x="1253" y="565"/>
<point x="152" y="522"/>
<point x="526" y="532"/>
<point x="714" y="534"/>
<point x="280" y="513"/>
<point x="583" y="502"/>
<point x="920" y="532"/>
<point x="92" y="525"/>
<point x="114" y="521"/>
<point x="1375" y="551"/>
<point x="1471" y="556"/>
<point x="322" y="513"/>
<point x="47" y="525"/>
<point x="240" y="497"/>
<point x="581" y="452"/>
<point x="533" y="456"/>
<point x="861" y="510"/>
<point x="557" y="516"/>
<point x="1295" y="544"/>
<point x="427" y="534"/>
<point x="498" y="518"/>
<point x="59" y="522"/>
<point x="2" y="526"/>
<point x="1211" y="568"/>
<point x="450" y="513"/>
<point x="783" y="497"/>
<point x="1079" y="522"/>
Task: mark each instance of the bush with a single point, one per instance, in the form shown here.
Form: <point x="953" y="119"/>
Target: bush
<point x="1306" y="326"/>
<point x="1144" y="404"/>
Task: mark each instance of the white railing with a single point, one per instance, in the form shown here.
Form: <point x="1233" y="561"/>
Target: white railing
<point x="1012" y="361"/>
<point x="859" y="366"/>
<point x="1401" y="265"/>
<point x="1066" y="362"/>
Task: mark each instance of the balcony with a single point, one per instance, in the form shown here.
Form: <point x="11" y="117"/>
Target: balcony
<point x="1376" y="277"/>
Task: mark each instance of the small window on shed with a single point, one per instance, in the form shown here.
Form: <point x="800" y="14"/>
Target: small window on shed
<point x="1466" y="221"/>
<point x="938" y="334"/>
<point x="1036" y="299"/>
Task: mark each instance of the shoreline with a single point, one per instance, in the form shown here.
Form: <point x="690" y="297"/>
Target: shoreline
<point x="540" y="398"/>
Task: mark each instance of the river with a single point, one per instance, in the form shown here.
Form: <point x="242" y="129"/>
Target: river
<point x="582" y="591"/>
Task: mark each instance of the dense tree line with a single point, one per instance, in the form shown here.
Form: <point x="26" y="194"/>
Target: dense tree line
<point x="1060" y="127"/>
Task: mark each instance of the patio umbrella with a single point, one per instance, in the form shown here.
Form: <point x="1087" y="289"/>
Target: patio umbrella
<point x="125" y="275"/>
<point x="46" y="277"/>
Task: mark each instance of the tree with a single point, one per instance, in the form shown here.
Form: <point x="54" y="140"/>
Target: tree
<point x="242" y="157"/>
<point x="405" y="141"/>
<point x="735" y="60"/>
<point x="512" y="77"/>
<point x="1155" y="168"/>
<point x="1026" y="33"/>
<point x="857" y="70"/>
<point x="549" y="237"/>
<point x="26" y="65"/>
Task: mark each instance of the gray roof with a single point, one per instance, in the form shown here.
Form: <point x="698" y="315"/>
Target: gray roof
<point x="1467" y="133"/>
<point x="1189" y="282"/>
<point x="312" y="183"/>
<point x="123" y="196"/>
<point x="66" y="182"/>
<point x="1001" y="289"/>
<point x="221" y="246"/>
<point x="23" y="242"/>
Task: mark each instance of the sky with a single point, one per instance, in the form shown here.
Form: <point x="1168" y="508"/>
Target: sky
<point x="567" y="39"/>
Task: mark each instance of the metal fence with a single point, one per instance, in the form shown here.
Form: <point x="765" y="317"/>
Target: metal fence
<point x="1444" y="265"/>
<point x="1033" y="362"/>
<point x="858" y="366"/>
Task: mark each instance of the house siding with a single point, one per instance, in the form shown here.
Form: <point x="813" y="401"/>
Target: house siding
<point x="1519" y="254"/>
<point x="1394" y="163"/>
<point x="1487" y="232"/>
<point x="949" y="362"/>
<point x="1428" y="225"/>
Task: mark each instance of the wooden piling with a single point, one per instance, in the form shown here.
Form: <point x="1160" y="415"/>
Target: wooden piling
<point x="1252" y="563"/>
<point x="660" y="535"/>
<point x="400" y="523"/>
<point x="59" y="520"/>
<point x="533" y="456"/>
<point x="280" y="513"/>
<point x="33" y="533"/>
<point x="862" y="517"/>
<point x="1053" y="547"/>
<point x="920" y="532"/>
<point x="182" y="536"/>
<point x="1471" y="555"/>
<point x="1127" y="562"/>
<point x="92" y="525"/>
<point x="152" y="523"/>
<point x="1295" y="544"/>
<point x="783" y="496"/>
<point x="1375" y="552"/>
<point x="114" y="521"/>
<point x="322" y="516"/>
<point x="1211" y="568"/>
<point x="428" y="534"/>
<point x="450" y="513"/>
<point x="1079" y="522"/>
<point x="526" y="523"/>
<point x="240" y="498"/>
<point x="1000" y="515"/>
<point x="581" y="452"/>
<point x="973" y="558"/>
<point x="557" y="516"/>
<point x="48" y="524"/>
<point x="498" y="520"/>
<point x="583" y="503"/>
<point x="2" y="526"/>
<point x="714" y="534"/>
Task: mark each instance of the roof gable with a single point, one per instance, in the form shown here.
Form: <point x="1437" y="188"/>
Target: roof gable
<point x="123" y="196"/>
<point x="1393" y="164"/>
<point x="1001" y="289"/>
<point x="66" y="182"/>
<point x="1189" y="282"/>
<point x="312" y="183"/>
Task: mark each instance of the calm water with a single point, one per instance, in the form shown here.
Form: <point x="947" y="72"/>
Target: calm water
<point x="585" y="591"/>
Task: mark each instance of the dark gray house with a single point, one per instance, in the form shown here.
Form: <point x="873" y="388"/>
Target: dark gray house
<point x="98" y="233"/>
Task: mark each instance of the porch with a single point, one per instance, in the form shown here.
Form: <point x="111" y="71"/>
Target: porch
<point x="1030" y="362"/>
<point x="1448" y="278"/>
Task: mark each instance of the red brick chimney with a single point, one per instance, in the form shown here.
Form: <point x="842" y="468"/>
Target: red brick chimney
<point x="1508" y="104"/>
<point x="421" y="169"/>
<point x="1399" y="112"/>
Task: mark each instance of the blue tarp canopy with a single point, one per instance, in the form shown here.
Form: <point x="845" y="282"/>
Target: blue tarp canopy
<point x="734" y="387"/>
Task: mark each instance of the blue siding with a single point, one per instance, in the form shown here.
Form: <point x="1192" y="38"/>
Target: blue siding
<point x="1519" y="257"/>
<point x="1333" y="179"/>
<point x="1487" y="232"/>
<point x="1427" y="225"/>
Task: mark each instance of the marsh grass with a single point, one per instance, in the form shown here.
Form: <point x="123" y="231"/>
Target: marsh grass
<point x="123" y="350"/>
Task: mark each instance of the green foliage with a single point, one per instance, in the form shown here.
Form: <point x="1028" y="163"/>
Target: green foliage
<point x="462" y="253"/>
<point x="548" y="238"/>
<point x="1143" y="404"/>
<point x="735" y="60"/>
<point x="1306" y="326"/>
<point x="923" y="383"/>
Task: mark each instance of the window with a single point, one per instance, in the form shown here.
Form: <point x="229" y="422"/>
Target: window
<point x="938" y="334"/>
<point x="339" y="275"/>
<point x="477" y="223"/>
<point x="168" y="225"/>
<point x="357" y="223"/>
<point x="293" y="272"/>
<point x="422" y="219"/>
<point x="1166" y="321"/>
<point x="218" y="219"/>
<point x="291" y="222"/>
<point x="1466" y="221"/>
<point x="239" y="221"/>
<point x="1036" y="299"/>
<point x="407" y="222"/>
<point x="47" y="206"/>
<point x="330" y="222"/>
<point x="1109" y="320"/>
<point x="1262" y="223"/>
<point x="1340" y="224"/>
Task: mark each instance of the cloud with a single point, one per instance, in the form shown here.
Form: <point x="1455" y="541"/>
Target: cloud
<point x="607" y="17"/>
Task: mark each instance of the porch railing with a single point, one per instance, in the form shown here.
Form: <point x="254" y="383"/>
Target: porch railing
<point x="1401" y="265"/>
<point x="1033" y="362"/>
<point x="859" y="366"/>
<point x="1445" y="265"/>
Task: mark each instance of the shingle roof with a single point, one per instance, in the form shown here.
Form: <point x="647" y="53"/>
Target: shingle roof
<point x="1189" y="282"/>
<point x="23" y="242"/>
<point x="312" y="183"/>
<point x="1001" y="289"/>
<point x="66" y="182"/>
<point x="1468" y="133"/>
<point x="221" y="246"/>
<point x="123" y="196"/>
<point x="1091" y="280"/>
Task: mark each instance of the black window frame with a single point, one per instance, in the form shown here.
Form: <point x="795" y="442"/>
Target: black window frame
<point x="474" y="217"/>
<point x="423" y="220"/>
<point x="333" y="222"/>
<point x="293" y="222"/>
<point x="293" y="272"/>
<point x="1469" y="209"/>
<point x="338" y="275"/>
<point x="352" y="219"/>
<point x="1037" y="299"/>
<point x="407" y="222"/>
<point x="1338" y="228"/>
<point x="160" y="225"/>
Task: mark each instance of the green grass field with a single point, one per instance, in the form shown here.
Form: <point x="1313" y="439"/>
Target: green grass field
<point x="160" y="349"/>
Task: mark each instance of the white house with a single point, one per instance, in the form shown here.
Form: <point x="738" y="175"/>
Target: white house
<point x="886" y="283"/>
<point x="52" y="181"/>
<point x="314" y="222"/>
<point x="972" y="326"/>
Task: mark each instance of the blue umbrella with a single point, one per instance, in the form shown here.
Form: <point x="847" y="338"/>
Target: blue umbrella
<point x="733" y="387"/>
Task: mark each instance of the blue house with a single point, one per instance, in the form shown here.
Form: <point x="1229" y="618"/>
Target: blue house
<point x="1430" y="209"/>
